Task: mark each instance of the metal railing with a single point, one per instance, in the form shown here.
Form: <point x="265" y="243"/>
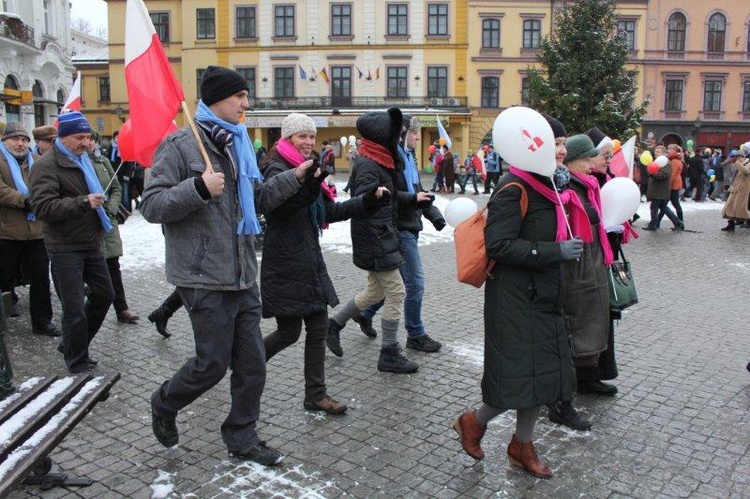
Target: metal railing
<point x="15" y="29"/>
<point x="273" y="103"/>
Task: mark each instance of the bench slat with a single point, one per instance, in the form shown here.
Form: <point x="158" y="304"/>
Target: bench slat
<point x="27" y="390"/>
<point x="37" y="446"/>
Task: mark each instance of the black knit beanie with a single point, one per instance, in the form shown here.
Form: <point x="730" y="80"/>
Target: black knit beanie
<point x="219" y="83"/>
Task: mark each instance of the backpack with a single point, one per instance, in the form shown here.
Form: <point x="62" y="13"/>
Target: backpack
<point x="472" y="264"/>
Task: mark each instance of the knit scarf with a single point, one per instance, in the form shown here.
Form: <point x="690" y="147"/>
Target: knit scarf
<point x="592" y="191"/>
<point x="295" y="158"/>
<point x="17" y="174"/>
<point x="411" y="175"/>
<point x="115" y="151"/>
<point x="579" y="221"/>
<point x="377" y="153"/>
<point x="92" y="181"/>
<point x="239" y="146"/>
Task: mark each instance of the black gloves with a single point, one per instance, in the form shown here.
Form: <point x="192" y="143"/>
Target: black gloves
<point x="425" y="204"/>
<point x="372" y="203"/>
<point x="439" y="224"/>
<point x="312" y="182"/>
<point x="571" y="249"/>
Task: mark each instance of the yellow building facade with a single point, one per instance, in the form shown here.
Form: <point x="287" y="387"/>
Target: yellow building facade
<point x="461" y="60"/>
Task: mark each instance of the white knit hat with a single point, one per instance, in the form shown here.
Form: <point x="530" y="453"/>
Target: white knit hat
<point x="296" y="123"/>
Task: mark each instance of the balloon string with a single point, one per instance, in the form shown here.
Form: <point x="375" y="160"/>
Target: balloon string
<point x="559" y="200"/>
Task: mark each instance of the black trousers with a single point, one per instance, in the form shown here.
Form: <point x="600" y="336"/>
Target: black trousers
<point x="288" y="332"/>
<point x="113" y="265"/>
<point x="491" y="178"/>
<point x="82" y="315"/>
<point x="226" y="330"/>
<point x="33" y="256"/>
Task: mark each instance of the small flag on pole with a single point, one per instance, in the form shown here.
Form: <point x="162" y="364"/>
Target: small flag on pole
<point x="302" y="74"/>
<point x="361" y="74"/>
<point x="74" y="99"/>
<point x="324" y="74"/>
<point x="443" y="133"/>
<point x="377" y="73"/>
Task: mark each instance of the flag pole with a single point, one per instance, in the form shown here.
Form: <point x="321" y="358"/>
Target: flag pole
<point x="209" y="167"/>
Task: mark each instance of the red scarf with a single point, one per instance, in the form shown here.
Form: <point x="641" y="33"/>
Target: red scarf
<point x="295" y="158"/>
<point x="592" y="191"/>
<point x="579" y="222"/>
<point x="377" y="153"/>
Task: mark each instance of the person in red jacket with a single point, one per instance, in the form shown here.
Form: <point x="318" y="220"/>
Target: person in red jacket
<point x="674" y="153"/>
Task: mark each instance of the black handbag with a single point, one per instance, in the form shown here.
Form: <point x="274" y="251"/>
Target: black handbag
<point x="122" y="214"/>
<point x="622" y="291"/>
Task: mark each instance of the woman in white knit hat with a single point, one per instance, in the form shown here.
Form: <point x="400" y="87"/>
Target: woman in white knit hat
<point x="295" y="285"/>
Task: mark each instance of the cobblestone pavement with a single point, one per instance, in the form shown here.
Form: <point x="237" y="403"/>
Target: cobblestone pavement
<point x="679" y="426"/>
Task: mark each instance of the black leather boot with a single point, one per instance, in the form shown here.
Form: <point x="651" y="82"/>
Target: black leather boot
<point x="159" y="318"/>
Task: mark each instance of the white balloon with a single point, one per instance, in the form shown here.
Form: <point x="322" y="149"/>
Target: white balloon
<point x="525" y="140"/>
<point x="352" y="140"/>
<point x="620" y="200"/>
<point x="745" y="148"/>
<point x="343" y="141"/>
<point x="459" y="210"/>
<point x="662" y="161"/>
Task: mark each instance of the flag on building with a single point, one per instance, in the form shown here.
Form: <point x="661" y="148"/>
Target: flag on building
<point x="74" y="99"/>
<point x="361" y="74"/>
<point x="377" y="73"/>
<point x="369" y="75"/>
<point x="443" y="133"/>
<point x="324" y="74"/>
<point x="302" y="74"/>
<point x="154" y="93"/>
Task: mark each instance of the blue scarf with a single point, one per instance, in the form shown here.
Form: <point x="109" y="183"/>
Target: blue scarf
<point x="244" y="157"/>
<point x="92" y="181"/>
<point x="114" y="153"/>
<point x="410" y="169"/>
<point x="15" y="171"/>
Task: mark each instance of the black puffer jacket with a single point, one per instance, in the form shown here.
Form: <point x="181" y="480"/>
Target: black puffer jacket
<point x="294" y="281"/>
<point x="408" y="217"/>
<point x="527" y="359"/>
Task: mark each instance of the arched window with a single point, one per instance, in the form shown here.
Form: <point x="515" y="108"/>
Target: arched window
<point x="12" y="111"/>
<point x="676" y="32"/>
<point x="38" y="91"/>
<point x="717" y="30"/>
<point x="60" y="99"/>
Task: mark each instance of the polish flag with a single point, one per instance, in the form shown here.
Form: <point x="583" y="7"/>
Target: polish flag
<point x="74" y="99"/>
<point x="154" y="94"/>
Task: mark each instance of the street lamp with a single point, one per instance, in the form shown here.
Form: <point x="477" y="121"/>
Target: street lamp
<point x="119" y="112"/>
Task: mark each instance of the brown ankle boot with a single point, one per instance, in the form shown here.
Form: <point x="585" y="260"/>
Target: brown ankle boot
<point x="470" y="432"/>
<point x="523" y="455"/>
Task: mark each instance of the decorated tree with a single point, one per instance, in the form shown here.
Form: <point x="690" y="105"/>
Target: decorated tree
<point x="583" y="78"/>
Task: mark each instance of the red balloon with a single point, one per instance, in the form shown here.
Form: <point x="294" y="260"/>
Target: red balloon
<point x="432" y="149"/>
<point x="126" y="142"/>
<point x="653" y="167"/>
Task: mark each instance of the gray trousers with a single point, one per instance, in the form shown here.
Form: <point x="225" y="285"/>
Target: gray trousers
<point x="226" y="327"/>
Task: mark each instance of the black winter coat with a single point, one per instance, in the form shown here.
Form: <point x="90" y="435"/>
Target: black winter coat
<point x="527" y="360"/>
<point x="375" y="242"/>
<point x="410" y="218"/>
<point x="294" y="281"/>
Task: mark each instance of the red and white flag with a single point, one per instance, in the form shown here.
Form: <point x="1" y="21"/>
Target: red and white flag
<point x="74" y="99"/>
<point x="154" y="93"/>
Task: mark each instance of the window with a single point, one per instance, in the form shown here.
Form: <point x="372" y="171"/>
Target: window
<point x="104" y="89"/>
<point x="249" y="75"/>
<point x="198" y="80"/>
<point x="491" y="34"/>
<point x="283" y="82"/>
<point x="717" y="29"/>
<point x="525" y="90"/>
<point x="626" y="30"/>
<point x="38" y="92"/>
<point x="206" y="24"/>
<point x="712" y="95"/>
<point x="532" y="33"/>
<point x="284" y="16"/>
<point x="398" y="19"/>
<point x="437" y="81"/>
<point x="161" y="25"/>
<point x="437" y="19"/>
<point x="676" y="32"/>
<point x="396" y="81"/>
<point x="490" y="91"/>
<point x="12" y="111"/>
<point x="245" y="22"/>
<point x="746" y="99"/>
<point x="46" y="17"/>
<point x="341" y="85"/>
<point x="673" y="95"/>
<point x="341" y="19"/>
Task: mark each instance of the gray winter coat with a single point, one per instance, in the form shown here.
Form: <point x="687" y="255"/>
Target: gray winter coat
<point x="203" y="249"/>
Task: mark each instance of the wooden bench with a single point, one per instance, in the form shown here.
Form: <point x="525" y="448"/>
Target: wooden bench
<point x="37" y="417"/>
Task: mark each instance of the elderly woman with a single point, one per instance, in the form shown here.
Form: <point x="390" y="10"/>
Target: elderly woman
<point x="527" y="358"/>
<point x="737" y="207"/>
<point x="586" y="286"/>
<point x="295" y="286"/>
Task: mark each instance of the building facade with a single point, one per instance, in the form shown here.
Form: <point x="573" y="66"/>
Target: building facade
<point x="35" y="60"/>
<point x="461" y="60"/>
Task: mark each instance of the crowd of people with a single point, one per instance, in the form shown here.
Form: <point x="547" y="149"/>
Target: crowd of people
<point x="549" y="328"/>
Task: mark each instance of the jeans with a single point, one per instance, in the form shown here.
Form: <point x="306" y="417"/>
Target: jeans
<point x="226" y="330"/>
<point x="288" y="330"/>
<point x="413" y="276"/>
<point x="82" y="315"/>
<point x="125" y="201"/>
<point x="33" y="256"/>
<point x="674" y="198"/>
<point x="661" y="206"/>
<point x="473" y="177"/>
<point x="438" y="184"/>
